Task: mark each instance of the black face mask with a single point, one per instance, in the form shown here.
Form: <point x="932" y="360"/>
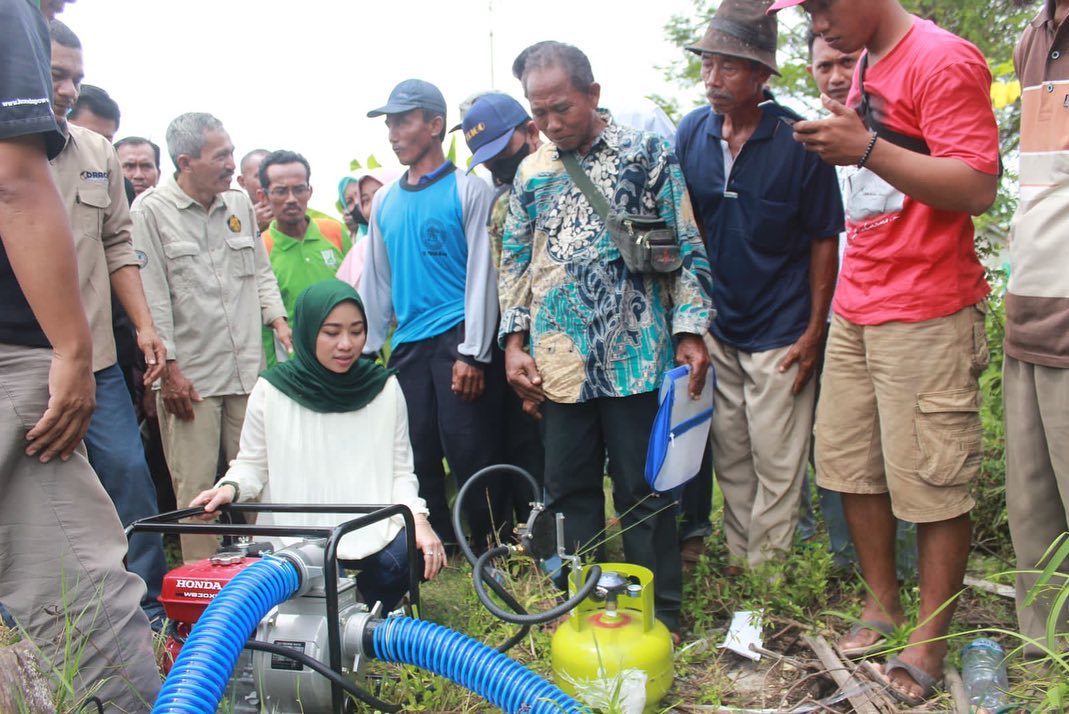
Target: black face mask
<point x="357" y="216"/>
<point x="504" y="170"/>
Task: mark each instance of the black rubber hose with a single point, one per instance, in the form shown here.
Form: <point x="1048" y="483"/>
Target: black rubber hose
<point x="528" y="619"/>
<point x="476" y="477"/>
<point x="458" y="529"/>
<point x="312" y="663"/>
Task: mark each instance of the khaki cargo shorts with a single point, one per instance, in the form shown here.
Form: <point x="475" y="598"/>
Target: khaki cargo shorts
<point x="899" y="412"/>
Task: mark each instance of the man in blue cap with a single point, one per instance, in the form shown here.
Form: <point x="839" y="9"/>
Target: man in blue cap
<point x="428" y="265"/>
<point x="500" y="135"/>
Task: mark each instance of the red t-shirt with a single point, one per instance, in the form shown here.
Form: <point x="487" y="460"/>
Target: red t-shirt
<point x="906" y="261"/>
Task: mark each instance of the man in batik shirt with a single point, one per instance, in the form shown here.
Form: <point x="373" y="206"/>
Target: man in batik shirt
<point x="600" y="336"/>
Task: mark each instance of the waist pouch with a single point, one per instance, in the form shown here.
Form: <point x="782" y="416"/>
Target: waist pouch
<point x="647" y="244"/>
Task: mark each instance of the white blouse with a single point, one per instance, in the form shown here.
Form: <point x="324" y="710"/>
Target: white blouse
<point x="291" y="454"/>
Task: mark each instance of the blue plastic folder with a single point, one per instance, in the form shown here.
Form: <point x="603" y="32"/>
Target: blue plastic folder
<point x="680" y="431"/>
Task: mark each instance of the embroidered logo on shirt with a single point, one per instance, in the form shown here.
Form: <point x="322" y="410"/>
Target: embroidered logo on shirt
<point x="234" y="224"/>
<point x="330" y="258"/>
<point x="95" y="176"/>
<point x="142" y="259"/>
<point x="434" y="239"/>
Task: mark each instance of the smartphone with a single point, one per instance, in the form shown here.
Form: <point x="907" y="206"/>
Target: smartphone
<point x="788" y="120"/>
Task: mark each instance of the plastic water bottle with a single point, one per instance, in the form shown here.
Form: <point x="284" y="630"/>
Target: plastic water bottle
<point x="983" y="671"/>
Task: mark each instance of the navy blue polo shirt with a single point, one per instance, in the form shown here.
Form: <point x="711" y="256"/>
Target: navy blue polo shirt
<point x="758" y="223"/>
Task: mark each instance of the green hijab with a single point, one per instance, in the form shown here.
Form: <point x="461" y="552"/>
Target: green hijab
<point x="303" y="379"/>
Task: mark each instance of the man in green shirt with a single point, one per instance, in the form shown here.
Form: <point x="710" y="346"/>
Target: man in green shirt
<point x="303" y="250"/>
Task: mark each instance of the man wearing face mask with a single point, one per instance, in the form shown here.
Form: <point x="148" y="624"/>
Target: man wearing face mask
<point x="500" y="135"/>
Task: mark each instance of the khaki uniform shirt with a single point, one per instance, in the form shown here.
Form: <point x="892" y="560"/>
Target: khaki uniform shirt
<point x="90" y="180"/>
<point x="208" y="283"/>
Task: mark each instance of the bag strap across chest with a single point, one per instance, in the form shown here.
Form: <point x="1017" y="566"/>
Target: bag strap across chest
<point x="586" y="185"/>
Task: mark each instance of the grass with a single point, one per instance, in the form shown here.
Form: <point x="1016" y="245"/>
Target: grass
<point x="800" y="594"/>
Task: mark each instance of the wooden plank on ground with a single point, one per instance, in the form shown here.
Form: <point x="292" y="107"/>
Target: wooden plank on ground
<point x="842" y="674"/>
<point x="1006" y="591"/>
<point x="956" y="687"/>
<point x="23" y="686"/>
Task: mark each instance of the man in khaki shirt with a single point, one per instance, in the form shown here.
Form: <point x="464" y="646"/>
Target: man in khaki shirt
<point x="90" y="182"/>
<point x="210" y="287"/>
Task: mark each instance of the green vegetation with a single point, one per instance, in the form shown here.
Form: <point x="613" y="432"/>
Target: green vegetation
<point x="802" y="593"/>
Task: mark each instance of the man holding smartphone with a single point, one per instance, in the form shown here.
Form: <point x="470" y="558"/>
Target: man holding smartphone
<point x="898" y="428"/>
<point x="771" y="217"/>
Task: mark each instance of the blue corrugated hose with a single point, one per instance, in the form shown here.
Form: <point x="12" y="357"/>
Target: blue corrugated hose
<point x="203" y="667"/>
<point x="200" y="674"/>
<point x="503" y="682"/>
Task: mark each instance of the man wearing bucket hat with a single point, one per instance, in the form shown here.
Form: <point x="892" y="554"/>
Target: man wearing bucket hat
<point x="771" y="214"/>
<point x="428" y="265"/>
<point x="898" y="427"/>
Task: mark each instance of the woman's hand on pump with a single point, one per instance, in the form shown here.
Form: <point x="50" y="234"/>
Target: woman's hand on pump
<point x="214" y="498"/>
<point x="428" y="542"/>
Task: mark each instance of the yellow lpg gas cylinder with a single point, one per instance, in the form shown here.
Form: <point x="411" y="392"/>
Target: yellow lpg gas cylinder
<point x="612" y="650"/>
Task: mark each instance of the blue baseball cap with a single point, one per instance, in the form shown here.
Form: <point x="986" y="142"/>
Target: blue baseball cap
<point x="489" y="124"/>
<point x="412" y="94"/>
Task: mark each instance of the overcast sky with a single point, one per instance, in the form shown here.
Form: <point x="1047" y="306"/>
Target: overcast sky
<point x="302" y="75"/>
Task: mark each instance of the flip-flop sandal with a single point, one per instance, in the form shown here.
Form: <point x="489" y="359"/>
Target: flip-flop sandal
<point x="925" y="681"/>
<point x="885" y="629"/>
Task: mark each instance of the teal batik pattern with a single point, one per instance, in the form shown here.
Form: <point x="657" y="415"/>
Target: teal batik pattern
<point x="596" y="329"/>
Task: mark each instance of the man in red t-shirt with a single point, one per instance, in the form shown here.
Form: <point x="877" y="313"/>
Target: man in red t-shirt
<point x="898" y="426"/>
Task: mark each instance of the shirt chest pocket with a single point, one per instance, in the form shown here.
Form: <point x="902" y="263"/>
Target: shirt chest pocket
<point x="772" y="222"/>
<point x="241" y="256"/>
<point x="90" y="204"/>
<point x="182" y="264"/>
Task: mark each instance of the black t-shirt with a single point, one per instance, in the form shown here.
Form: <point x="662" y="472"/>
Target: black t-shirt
<point x="25" y="108"/>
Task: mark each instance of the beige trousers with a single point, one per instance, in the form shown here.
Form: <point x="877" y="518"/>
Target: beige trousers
<point x="1036" y="401"/>
<point x="192" y="452"/>
<point x="61" y="554"/>
<point x="760" y="439"/>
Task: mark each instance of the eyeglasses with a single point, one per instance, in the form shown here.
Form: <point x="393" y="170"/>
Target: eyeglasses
<point x="298" y="191"/>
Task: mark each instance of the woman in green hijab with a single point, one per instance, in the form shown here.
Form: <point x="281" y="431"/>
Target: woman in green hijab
<point x="329" y="427"/>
